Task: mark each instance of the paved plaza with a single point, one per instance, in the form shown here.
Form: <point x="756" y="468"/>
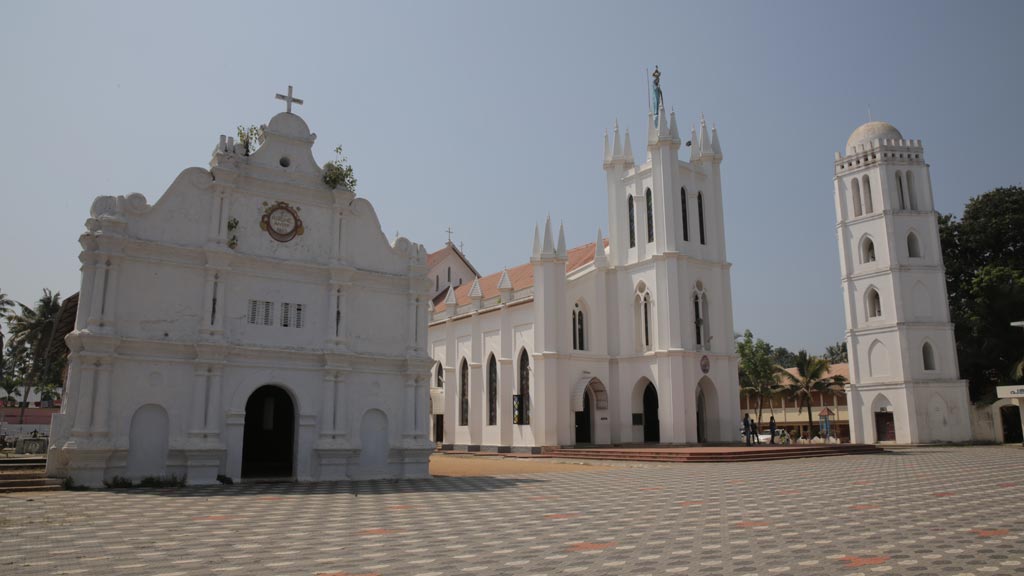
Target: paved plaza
<point x="910" y="511"/>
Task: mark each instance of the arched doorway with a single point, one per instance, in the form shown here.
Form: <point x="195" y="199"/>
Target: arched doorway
<point x="269" y="436"/>
<point x="1010" y="415"/>
<point x="585" y="420"/>
<point x="652" y="426"/>
<point x="702" y="418"/>
<point x="885" y="420"/>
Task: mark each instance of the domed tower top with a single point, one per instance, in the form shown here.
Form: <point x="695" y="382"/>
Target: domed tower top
<point x="866" y="133"/>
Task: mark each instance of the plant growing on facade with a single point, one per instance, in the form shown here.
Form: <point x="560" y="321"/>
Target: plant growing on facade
<point x="232" y="238"/>
<point x="251" y="137"/>
<point x="338" y="172"/>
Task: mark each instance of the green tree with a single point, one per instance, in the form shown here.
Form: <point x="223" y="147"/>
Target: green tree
<point x="5" y="308"/>
<point x="812" y="375"/>
<point x="836" y="353"/>
<point x="32" y="331"/>
<point x="757" y="370"/>
<point x="983" y="253"/>
<point x="784" y="357"/>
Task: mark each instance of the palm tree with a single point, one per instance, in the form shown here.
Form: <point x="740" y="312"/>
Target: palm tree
<point x="811" y="376"/>
<point x="33" y="328"/>
<point x="5" y="308"/>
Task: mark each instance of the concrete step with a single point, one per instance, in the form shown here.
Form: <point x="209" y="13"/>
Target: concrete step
<point x="21" y="474"/>
<point x="30" y="489"/>
<point x="36" y="481"/>
<point x="9" y="463"/>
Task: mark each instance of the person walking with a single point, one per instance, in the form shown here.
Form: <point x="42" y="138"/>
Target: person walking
<point x="771" y="429"/>
<point x="746" y="428"/>
<point x="755" y="431"/>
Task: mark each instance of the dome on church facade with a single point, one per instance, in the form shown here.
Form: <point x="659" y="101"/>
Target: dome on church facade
<point x="289" y="125"/>
<point x="873" y="131"/>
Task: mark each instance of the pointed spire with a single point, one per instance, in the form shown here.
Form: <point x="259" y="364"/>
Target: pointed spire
<point x="548" y="250"/>
<point x="673" y="129"/>
<point x="450" y="300"/>
<point x="504" y="283"/>
<point x="663" y="128"/>
<point x="536" y="241"/>
<point x="628" y="149"/>
<point x="607" y="148"/>
<point x="705" y="140"/>
<point x="693" y="143"/>
<point x="561" y="252"/>
<point x="600" y="260"/>
<point x="474" y="290"/>
<point x="716" y="148"/>
<point x="617" y="149"/>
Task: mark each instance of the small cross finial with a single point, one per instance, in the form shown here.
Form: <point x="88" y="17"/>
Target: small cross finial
<point x="449" y="231"/>
<point x="288" y="99"/>
<point x="869" y="115"/>
<point x="460" y="247"/>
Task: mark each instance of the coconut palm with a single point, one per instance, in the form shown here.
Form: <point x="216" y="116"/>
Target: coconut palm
<point x="5" y="307"/>
<point x="33" y="329"/>
<point x="812" y="375"/>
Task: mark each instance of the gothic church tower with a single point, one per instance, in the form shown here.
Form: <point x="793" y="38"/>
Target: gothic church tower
<point x="904" y="379"/>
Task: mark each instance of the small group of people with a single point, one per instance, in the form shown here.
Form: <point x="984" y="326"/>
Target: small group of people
<point x="751" y="434"/>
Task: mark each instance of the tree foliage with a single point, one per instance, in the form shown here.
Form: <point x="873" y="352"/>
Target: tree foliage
<point x="836" y="353"/>
<point x="784" y="357"/>
<point x="338" y="172"/>
<point x="757" y="370"/>
<point x="31" y="358"/>
<point x="983" y="253"/>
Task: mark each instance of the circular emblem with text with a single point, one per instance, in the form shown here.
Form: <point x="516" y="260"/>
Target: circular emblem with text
<point x="281" y="221"/>
<point x="705" y="364"/>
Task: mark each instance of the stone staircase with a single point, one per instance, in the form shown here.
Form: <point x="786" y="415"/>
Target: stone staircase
<point x="26" y="475"/>
<point x="723" y="454"/>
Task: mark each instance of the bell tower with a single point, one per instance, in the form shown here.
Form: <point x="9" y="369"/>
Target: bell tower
<point x="904" y="385"/>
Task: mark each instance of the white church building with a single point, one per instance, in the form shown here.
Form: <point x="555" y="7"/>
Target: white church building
<point x="904" y="377"/>
<point x="625" y="340"/>
<point x="251" y="323"/>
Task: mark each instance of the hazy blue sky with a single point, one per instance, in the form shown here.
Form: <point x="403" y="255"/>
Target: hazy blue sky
<point x="488" y="116"/>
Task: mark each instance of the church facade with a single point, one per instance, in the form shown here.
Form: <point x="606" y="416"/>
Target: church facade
<point x="252" y="323"/>
<point x="904" y="377"/>
<point x="628" y="339"/>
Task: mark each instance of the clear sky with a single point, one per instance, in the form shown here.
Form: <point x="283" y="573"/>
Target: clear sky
<point x="488" y="116"/>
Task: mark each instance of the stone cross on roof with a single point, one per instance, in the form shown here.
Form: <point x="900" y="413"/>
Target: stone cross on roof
<point x="288" y="99"/>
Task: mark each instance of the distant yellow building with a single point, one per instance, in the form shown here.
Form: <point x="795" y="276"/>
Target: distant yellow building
<point x="790" y="416"/>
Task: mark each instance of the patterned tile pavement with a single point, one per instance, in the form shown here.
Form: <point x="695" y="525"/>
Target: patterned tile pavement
<point x="949" y="511"/>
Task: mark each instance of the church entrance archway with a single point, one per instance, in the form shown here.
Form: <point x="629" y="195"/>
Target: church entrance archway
<point x="702" y="421"/>
<point x="1012" y="433"/>
<point x="585" y="420"/>
<point x="707" y="411"/>
<point x="885" y="420"/>
<point x="269" y="437"/>
<point x="652" y="426"/>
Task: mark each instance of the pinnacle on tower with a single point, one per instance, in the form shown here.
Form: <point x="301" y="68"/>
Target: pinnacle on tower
<point x="600" y="260"/>
<point x="705" y="140"/>
<point x="607" y="148"/>
<point x="450" y="299"/>
<point x="560" y="251"/>
<point x="476" y="294"/>
<point x="536" y="241"/>
<point x="628" y="149"/>
<point x="673" y="128"/>
<point x="504" y="283"/>
<point x="617" y="150"/>
<point x="693" y="143"/>
<point x="548" y="250"/>
<point x="715" y="147"/>
<point x="663" y="128"/>
<point x="652" y="131"/>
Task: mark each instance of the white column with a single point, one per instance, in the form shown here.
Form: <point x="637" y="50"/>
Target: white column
<point x="85" y="298"/>
<point x="199" y="400"/>
<point x="86" y="386"/>
<point x="422" y="406"/>
<point x="101" y="409"/>
<point x="218" y="324"/>
<point x="99" y="282"/>
<point x="340" y="405"/>
<point x="410" y="406"/>
<point x="328" y="407"/>
<point x="213" y="410"/>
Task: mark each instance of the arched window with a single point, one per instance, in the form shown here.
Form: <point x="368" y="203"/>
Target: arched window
<point x="521" y="402"/>
<point x="899" y="190"/>
<point x="867" y="251"/>
<point x="868" y="208"/>
<point x="578" y="329"/>
<point x="464" y="393"/>
<point x="437" y="282"/>
<point x="911" y="197"/>
<point x="928" y="355"/>
<point x="913" y="246"/>
<point x="650" y="216"/>
<point x="874" y="302"/>
<point x="686" y="216"/>
<point x="632" y="222"/>
<point x="449" y="274"/>
<point x="646" y="305"/>
<point x="698" y="329"/>
<point x="439" y="376"/>
<point x="492" y="391"/>
<point x="855" y="194"/>
<point x="700" y="216"/>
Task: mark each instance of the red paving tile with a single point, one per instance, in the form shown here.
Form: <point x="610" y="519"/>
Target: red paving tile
<point x="858" y="561"/>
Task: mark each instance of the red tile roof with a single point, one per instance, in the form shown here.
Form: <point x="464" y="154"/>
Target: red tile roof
<point x="435" y="258"/>
<point x="521" y="277"/>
